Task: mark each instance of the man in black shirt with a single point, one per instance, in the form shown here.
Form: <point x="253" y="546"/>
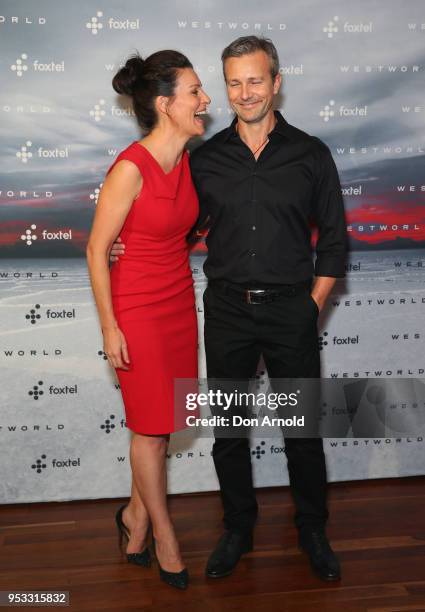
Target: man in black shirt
<point x="261" y="182"/>
<point x="259" y="208"/>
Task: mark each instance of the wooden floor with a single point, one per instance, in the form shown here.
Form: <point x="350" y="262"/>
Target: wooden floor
<point x="377" y="528"/>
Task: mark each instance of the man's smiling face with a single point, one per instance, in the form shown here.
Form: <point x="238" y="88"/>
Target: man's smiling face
<point x="250" y="86"/>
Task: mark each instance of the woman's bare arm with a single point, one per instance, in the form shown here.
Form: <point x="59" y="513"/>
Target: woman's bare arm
<point x="120" y="188"/>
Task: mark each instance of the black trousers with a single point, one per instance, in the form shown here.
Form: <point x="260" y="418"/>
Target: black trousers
<point x="285" y="333"/>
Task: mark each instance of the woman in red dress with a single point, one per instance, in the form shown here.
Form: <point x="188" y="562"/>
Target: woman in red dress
<point x="146" y="303"/>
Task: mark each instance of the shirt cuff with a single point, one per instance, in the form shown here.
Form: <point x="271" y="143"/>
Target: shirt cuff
<point x="327" y="265"/>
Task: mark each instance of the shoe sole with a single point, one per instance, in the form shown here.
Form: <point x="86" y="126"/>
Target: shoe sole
<point x="215" y="576"/>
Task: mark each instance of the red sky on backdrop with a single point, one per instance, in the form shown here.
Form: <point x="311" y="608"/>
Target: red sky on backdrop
<point x="378" y="213"/>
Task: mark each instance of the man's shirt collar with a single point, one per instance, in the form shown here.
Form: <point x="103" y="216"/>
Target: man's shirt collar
<point x="282" y="128"/>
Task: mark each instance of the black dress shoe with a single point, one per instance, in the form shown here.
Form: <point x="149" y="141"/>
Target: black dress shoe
<point x="323" y="560"/>
<point x="142" y="558"/>
<point x="227" y="553"/>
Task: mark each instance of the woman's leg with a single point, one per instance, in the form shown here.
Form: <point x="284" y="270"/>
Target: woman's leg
<point x="136" y="518"/>
<point x="148" y="456"/>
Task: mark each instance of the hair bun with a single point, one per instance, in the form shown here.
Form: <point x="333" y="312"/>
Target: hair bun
<point x="129" y="76"/>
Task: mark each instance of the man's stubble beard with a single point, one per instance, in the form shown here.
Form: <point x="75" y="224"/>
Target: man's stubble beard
<point x="255" y="119"/>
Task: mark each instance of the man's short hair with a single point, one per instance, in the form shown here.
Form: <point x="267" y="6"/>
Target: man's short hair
<point x="244" y="45"/>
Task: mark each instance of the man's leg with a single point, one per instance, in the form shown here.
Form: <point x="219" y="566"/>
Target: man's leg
<point x="231" y="353"/>
<point x="291" y="350"/>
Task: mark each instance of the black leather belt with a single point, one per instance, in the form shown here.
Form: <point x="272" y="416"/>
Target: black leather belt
<point x="259" y="296"/>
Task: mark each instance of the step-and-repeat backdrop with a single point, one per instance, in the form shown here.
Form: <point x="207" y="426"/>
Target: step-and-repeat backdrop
<point x="353" y="75"/>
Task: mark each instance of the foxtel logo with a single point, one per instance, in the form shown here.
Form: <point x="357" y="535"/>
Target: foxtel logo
<point x="332" y="27"/>
<point x="351" y="191"/>
<point x="25" y="153"/>
<point x="31" y="236"/>
<point x="20" y="66"/>
<point x="329" y="111"/>
<point x="346" y="340"/>
<point x="95" y="25"/>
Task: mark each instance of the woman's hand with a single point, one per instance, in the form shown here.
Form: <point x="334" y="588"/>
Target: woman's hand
<point x="115" y="348"/>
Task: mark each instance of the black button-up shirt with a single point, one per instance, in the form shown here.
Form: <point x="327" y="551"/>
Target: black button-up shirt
<point x="260" y="212"/>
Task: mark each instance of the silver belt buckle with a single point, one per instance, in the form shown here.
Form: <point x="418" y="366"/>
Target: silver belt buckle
<point x="248" y="294"/>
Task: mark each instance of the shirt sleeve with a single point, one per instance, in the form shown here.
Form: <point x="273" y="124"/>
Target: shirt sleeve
<point x="196" y="171"/>
<point x="329" y="215"/>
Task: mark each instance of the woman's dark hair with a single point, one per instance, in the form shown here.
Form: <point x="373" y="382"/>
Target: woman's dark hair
<point x="144" y="80"/>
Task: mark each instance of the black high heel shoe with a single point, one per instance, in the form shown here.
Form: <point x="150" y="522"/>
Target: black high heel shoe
<point x="179" y="580"/>
<point x="140" y="558"/>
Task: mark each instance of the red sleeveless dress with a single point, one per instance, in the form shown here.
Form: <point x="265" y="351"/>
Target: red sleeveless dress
<point x="153" y="296"/>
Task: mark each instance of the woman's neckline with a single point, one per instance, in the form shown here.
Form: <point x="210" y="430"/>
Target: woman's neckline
<point x="157" y="162"/>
